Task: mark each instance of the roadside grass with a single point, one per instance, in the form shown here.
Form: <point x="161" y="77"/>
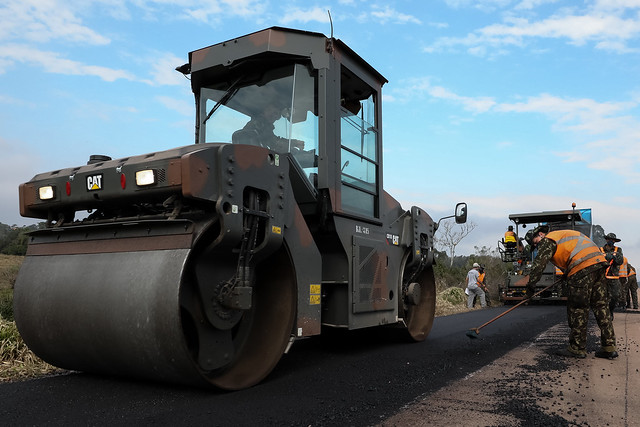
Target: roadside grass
<point x="451" y="301"/>
<point x="16" y="360"/>
<point x="9" y="266"/>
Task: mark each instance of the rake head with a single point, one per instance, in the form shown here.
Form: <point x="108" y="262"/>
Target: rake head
<point x="473" y="333"/>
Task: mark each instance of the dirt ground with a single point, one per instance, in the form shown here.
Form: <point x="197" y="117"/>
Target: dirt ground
<point x="530" y="386"/>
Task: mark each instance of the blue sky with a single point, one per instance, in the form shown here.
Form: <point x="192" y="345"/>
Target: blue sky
<point x="509" y="105"/>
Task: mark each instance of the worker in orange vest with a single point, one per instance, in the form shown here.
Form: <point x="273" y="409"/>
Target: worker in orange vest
<point x="584" y="266"/>
<point x="509" y="238"/>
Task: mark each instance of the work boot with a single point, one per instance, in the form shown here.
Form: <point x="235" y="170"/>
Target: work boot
<point x="607" y="354"/>
<point x="567" y="353"/>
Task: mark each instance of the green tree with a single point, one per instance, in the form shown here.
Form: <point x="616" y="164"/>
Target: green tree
<point x="14" y="239"/>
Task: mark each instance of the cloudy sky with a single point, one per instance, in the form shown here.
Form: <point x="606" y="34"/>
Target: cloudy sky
<point x="509" y="105"/>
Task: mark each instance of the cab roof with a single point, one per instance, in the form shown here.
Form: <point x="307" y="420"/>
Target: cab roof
<point x="546" y="216"/>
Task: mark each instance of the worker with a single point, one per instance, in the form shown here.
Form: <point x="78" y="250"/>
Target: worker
<point x="584" y="266"/>
<point x="614" y="257"/>
<point x="483" y="285"/>
<point x="262" y="127"/>
<point x="623" y="274"/>
<point x="633" y="288"/>
<point x="472" y="286"/>
<point x="509" y="238"/>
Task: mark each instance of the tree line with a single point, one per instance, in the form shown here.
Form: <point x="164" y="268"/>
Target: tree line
<point x="13" y="238"/>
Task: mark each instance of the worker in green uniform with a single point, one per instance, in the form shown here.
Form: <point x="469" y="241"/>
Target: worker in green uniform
<point x="584" y="266"/>
<point x="615" y="258"/>
<point x="632" y="296"/>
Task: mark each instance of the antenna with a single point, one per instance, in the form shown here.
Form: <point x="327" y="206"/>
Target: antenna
<point x="330" y="41"/>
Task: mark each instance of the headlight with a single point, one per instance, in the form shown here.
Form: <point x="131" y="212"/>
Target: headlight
<point x="146" y="177"/>
<point x="47" y="192"/>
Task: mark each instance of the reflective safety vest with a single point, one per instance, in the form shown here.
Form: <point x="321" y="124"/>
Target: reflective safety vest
<point x="608" y="273"/>
<point x="481" y="279"/>
<point x="632" y="271"/>
<point x="510" y="237"/>
<point x="624" y="268"/>
<point x="574" y="252"/>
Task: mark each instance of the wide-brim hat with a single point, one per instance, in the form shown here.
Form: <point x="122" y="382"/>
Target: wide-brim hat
<point x="611" y="236"/>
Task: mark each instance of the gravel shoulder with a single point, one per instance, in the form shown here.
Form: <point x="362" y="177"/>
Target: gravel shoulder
<point x="530" y="386"/>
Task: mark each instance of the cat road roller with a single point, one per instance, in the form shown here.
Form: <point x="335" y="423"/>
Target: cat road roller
<point x="202" y="264"/>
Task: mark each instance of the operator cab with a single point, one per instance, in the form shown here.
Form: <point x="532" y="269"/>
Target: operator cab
<point x="304" y="96"/>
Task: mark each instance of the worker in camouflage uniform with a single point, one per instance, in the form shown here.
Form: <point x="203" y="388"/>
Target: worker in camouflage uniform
<point x="583" y="265"/>
<point x="615" y="258"/>
<point x="623" y="274"/>
<point x="632" y="295"/>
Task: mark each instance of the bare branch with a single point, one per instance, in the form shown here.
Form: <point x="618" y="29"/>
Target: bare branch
<point x="450" y="234"/>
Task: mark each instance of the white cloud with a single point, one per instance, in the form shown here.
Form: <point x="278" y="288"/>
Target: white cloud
<point x="45" y="20"/>
<point x="214" y="11"/>
<point x="609" y="25"/>
<point x="387" y="14"/>
<point x="163" y="70"/>
<point x="179" y="105"/>
<point x="52" y="62"/>
<point x="482" y="5"/>
<point x="422" y="86"/>
<point x="578" y="29"/>
<point x="316" y="14"/>
<point x="532" y="4"/>
<point x="608" y="133"/>
<point x="617" y="148"/>
<point x="616" y="4"/>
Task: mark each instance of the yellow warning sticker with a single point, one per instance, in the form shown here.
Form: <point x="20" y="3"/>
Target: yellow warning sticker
<point x="314" y="294"/>
<point x="276" y="230"/>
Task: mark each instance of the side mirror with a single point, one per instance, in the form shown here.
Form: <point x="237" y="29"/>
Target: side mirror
<point x="461" y="213"/>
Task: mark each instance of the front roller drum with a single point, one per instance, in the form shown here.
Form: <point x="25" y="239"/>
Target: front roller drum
<point x="140" y="314"/>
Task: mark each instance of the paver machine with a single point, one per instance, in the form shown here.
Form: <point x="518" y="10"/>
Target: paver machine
<point x="521" y="256"/>
<point x="202" y="264"/>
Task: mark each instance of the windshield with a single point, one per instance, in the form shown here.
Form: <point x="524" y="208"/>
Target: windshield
<point x="275" y="110"/>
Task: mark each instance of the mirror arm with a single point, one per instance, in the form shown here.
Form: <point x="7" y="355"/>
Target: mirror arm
<point x="438" y="223"/>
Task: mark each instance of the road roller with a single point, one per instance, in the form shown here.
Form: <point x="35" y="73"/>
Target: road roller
<point x="203" y="264"/>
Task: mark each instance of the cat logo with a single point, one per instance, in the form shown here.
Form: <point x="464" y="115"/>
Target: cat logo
<point x="94" y="182"/>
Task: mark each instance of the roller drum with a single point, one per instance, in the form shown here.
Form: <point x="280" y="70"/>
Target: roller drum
<point x="112" y="313"/>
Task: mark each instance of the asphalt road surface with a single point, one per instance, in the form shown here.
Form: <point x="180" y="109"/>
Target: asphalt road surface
<point x="358" y="378"/>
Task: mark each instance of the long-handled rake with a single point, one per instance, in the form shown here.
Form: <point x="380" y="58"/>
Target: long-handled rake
<point x="473" y="333"/>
